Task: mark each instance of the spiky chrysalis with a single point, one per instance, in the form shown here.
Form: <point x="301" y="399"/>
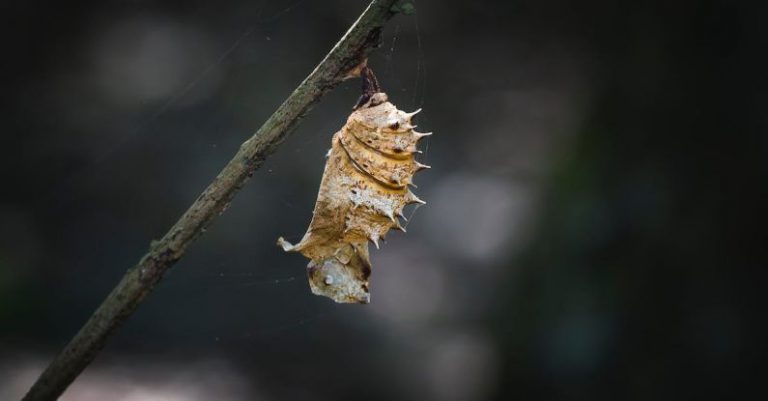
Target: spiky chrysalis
<point x="364" y="188"/>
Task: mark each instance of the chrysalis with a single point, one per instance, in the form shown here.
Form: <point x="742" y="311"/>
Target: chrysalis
<point x="362" y="194"/>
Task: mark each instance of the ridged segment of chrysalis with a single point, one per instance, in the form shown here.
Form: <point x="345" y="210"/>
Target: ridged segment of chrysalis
<point x="364" y="189"/>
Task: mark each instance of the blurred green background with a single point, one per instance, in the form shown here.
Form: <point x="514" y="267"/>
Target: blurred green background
<point x="595" y="226"/>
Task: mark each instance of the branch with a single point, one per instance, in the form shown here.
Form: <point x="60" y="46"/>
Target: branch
<point x="139" y="281"/>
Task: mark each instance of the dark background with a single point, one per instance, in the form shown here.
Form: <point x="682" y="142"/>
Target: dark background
<point x="595" y="226"/>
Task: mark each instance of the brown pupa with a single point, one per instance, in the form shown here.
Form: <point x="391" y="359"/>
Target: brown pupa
<point x="362" y="195"/>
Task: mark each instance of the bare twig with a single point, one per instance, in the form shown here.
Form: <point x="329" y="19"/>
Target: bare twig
<point x="139" y="281"/>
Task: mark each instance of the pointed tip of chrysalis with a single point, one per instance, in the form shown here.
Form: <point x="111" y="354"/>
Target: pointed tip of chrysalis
<point x="413" y="113"/>
<point x="401" y="215"/>
<point x="398" y="226"/>
<point x="420" y="166"/>
<point x="420" y="135"/>
<point x="411" y="149"/>
<point x="390" y="215"/>
<point x="375" y="240"/>
<point x="287" y="246"/>
<point x="412" y="198"/>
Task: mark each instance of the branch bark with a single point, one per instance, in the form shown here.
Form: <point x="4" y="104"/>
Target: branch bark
<point x="139" y="281"/>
